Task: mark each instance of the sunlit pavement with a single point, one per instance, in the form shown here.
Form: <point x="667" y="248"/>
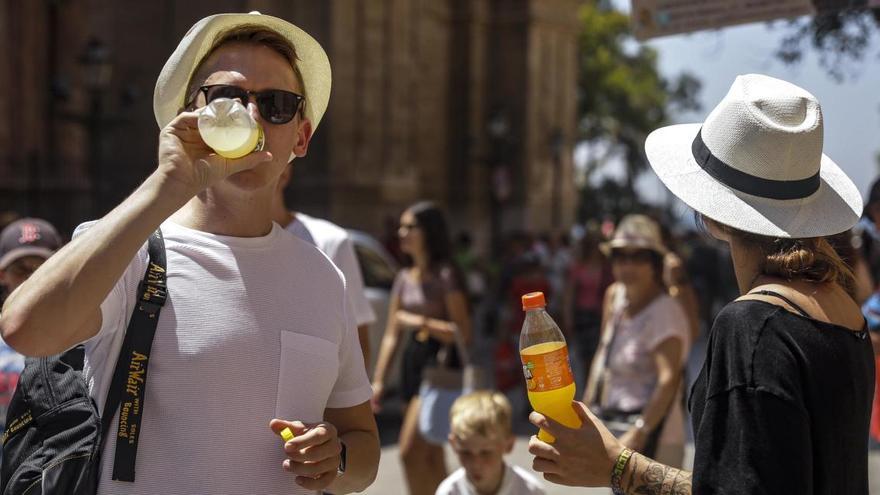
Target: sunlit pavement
<point x="391" y="482"/>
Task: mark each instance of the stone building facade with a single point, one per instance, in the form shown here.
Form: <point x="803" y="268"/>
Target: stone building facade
<point x="470" y="103"/>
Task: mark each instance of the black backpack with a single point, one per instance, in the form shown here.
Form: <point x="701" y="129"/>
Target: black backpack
<point x="54" y="435"/>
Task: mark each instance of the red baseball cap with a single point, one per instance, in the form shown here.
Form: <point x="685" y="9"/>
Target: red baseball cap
<point x="27" y="237"/>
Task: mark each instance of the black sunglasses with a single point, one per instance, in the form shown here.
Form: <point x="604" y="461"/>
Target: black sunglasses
<point x="636" y="256"/>
<point x="275" y="105"/>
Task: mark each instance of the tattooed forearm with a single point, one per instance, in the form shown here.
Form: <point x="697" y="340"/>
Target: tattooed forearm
<point x="648" y="477"/>
<point x="681" y="483"/>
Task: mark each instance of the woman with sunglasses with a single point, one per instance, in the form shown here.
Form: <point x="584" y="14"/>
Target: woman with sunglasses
<point x="429" y="311"/>
<point x="638" y="365"/>
<point x="783" y="402"/>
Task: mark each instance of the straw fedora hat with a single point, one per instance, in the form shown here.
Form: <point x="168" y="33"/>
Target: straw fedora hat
<point x="638" y="232"/>
<point x="314" y="66"/>
<point x="756" y="163"/>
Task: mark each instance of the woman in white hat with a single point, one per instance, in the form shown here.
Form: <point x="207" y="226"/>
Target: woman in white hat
<point x="782" y="404"/>
<point x="638" y="366"/>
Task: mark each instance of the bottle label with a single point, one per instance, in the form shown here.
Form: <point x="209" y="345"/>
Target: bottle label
<point x="547" y="371"/>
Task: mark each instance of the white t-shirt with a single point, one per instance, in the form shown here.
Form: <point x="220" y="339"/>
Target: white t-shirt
<point x="632" y="375"/>
<point x="516" y="481"/>
<point x="335" y="242"/>
<point x="253" y="329"/>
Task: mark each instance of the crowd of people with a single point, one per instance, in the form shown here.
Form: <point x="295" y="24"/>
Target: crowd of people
<point x="782" y="404"/>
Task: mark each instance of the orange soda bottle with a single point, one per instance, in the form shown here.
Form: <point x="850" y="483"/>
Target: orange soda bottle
<point x="544" y="354"/>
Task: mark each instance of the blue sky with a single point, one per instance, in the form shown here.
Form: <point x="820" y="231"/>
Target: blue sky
<point x="851" y="108"/>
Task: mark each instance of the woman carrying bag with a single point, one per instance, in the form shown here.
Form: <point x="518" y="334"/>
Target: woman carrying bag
<point x="637" y="370"/>
<point x="783" y="401"/>
<point x="429" y="312"/>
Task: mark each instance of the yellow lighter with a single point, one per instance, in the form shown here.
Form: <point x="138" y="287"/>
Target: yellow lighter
<point x="287" y="435"/>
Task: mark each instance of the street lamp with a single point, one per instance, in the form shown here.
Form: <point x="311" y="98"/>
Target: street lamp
<point x="97" y="71"/>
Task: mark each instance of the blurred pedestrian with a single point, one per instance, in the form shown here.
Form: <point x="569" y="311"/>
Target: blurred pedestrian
<point x="677" y="280"/>
<point x="481" y="435"/>
<point x="335" y="242"/>
<point x="529" y="276"/>
<point x="869" y="230"/>
<point x="256" y="335"/>
<point x="526" y="275"/>
<point x="847" y="246"/>
<point x="782" y="403"/>
<point x="428" y="311"/>
<point x="540" y="246"/>
<point x="707" y="267"/>
<point x="558" y="263"/>
<point x="645" y="337"/>
<point x="585" y="285"/>
<point x="472" y="267"/>
<point x="871" y="311"/>
<point x="390" y="239"/>
<point x="679" y="286"/>
<point x="24" y="245"/>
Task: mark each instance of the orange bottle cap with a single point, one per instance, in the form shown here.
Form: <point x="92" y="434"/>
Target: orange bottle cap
<point x="533" y="300"/>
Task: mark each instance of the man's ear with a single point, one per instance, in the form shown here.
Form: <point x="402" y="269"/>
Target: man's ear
<point x="303" y="137"/>
<point x="508" y="448"/>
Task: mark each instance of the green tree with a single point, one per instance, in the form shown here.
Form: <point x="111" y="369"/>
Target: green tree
<point x="840" y="37"/>
<point x="621" y="95"/>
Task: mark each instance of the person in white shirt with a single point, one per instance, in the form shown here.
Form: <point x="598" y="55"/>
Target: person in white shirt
<point x="480" y="434"/>
<point x="256" y="334"/>
<point x="335" y="242"/>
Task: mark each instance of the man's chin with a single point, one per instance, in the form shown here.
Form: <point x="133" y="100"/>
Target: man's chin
<point x="249" y="180"/>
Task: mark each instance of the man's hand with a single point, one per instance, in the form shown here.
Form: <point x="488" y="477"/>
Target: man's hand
<point x="190" y="164"/>
<point x="313" y="454"/>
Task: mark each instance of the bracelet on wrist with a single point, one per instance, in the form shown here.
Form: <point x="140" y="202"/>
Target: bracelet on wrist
<point x="617" y="472"/>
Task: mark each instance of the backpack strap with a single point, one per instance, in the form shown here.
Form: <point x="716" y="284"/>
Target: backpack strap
<point x="130" y="376"/>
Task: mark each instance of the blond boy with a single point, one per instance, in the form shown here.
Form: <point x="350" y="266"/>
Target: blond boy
<point x="481" y="435"/>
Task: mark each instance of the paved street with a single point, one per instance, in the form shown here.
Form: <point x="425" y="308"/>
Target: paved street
<point x="390" y="480"/>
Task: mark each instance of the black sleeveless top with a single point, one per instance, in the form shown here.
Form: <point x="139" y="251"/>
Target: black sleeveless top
<point x="782" y="405"/>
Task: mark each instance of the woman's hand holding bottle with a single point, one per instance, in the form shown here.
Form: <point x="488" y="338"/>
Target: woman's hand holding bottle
<point x="582" y="456"/>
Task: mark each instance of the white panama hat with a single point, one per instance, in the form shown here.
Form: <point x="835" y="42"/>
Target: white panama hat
<point x="313" y="64"/>
<point x="756" y="163"/>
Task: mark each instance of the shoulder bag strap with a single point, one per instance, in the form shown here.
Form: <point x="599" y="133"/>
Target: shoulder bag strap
<point x="788" y="301"/>
<point x="608" y="338"/>
<point x="130" y="376"/>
